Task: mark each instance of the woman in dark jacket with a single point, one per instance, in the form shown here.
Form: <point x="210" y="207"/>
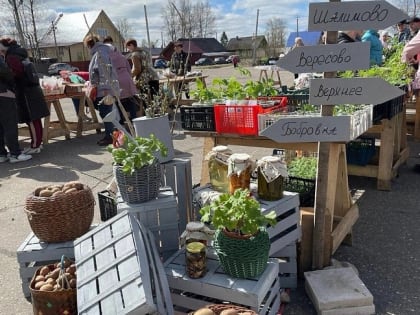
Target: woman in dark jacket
<point x="30" y="99"/>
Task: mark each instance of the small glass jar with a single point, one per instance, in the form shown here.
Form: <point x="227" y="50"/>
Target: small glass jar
<point x="239" y="171"/>
<point x="271" y="172"/>
<point x="218" y="168"/>
<point x="195" y="260"/>
<point x="196" y="232"/>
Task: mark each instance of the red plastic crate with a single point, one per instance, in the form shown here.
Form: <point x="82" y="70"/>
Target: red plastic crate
<point x="241" y="119"/>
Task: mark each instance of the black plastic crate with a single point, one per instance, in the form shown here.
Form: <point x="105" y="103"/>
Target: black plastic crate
<point x="305" y="188"/>
<point x="360" y="151"/>
<point x="107" y="205"/>
<point x="388" y="109"/>
<point x="198" y="118"/>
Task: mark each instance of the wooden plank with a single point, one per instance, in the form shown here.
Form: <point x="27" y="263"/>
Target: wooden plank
<point x="344" y="227"/>
<point x="208" y="145"/>
<point x="386" y="156"/>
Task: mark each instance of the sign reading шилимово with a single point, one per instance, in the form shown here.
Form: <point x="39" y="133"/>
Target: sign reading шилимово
<point x="335" y="16"/>
<point x="353" y="15"/>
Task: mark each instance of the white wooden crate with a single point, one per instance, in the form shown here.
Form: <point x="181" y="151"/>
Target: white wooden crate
<point x="261" y="294"/>
<point x="117" y="270"/>
<point x="287" y="229"/>
<point x="33" y="253"/>
<point x="177" y="175"/>
<point x="287" y="259"/>
<point x="161" y="217"/>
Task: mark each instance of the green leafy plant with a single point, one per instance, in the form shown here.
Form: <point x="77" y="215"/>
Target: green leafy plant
<point x="203" y="93"/>
<point x="137" y="153"/>
<point x="159" y="104"/>
<point x="303" y="167"/>
<point x="238" y="213"/>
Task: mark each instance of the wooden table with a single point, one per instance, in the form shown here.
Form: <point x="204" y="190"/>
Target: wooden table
<point x="177" y="84"/>
<point x="63" y="127"/>
<point x="273" y="70"/>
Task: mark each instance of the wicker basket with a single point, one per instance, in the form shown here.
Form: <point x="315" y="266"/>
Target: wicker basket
<point x="242" y="257"/>
<point x="140" y="187"/>
<point x="53" y="302"/>
<point x="219" y="308"/>
<point x="60" y="218"/>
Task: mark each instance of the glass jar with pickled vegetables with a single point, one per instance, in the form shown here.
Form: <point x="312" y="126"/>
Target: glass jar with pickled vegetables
<point x="196" y="232"/>
<point x="271" y="170"/>
<point x="218" y="168"/>
<point x="195" y="259"/>
<point x="240" y="168"/>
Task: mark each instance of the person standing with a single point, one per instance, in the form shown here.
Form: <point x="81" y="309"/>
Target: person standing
<point x="8" y="119"/>
<point x="123" y="70"/>
<point x="180" y="65"/>
<point x="144" y="76"/>
<point x="376" y="48"/>
<point x="31" y="105"/>
<point x="103" y="77"/>
<point x="403" y="34"/>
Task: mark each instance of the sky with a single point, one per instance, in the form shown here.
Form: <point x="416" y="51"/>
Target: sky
<point x="235" y="17"/>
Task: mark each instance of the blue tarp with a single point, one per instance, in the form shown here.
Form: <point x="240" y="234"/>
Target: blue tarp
<point x="309" y="38"/>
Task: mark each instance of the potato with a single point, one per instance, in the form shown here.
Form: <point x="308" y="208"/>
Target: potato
<point x="204" y="311"/>
<point x="39" y="278"/>
<point x="71" y="190"/>
<point x="39" y="284"/>
<point x="54" y="274"/>
<point x="51" y="281"/>
<point x="47" y="287"/>
<point x="38" y="190"/>
<point x="229" y="311"/>
<point x="71" y="269"/>
<point x="44" y="271"/>
<point x="45" y="193"/>
<point x="74" y="184"/>
<point x="73" y="283"/>
<point x="57" y="193"/>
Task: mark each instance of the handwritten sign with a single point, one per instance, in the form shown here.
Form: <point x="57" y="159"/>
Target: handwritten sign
<point x="351" y="91"/>
<point x="353" y="15"/>
<point x="321" y="58"/>
<point x="320" y="129"/>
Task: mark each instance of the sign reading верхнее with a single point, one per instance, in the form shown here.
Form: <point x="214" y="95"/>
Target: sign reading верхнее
<point x="336" y="91"/>
<point x="321" y="58"/>
<point x="353" y="15"/>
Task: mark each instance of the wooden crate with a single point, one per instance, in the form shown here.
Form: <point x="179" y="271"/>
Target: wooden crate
<point x="177" y="175"/>
<point x="161" y="217"/>
<point x="33" y="253"/>
<point x="287" y="229"/>
<point x="119" y="270"/>
<point x="261" y="294"/>
<point x="287" y="260"/>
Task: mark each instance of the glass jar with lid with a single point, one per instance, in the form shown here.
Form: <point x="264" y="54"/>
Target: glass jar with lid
<point x="218" y="168"/>
<point x="196" y="232"/>
<point x="195" y="260"/>
<point x="271" y="170"/>
<point x="240" y="168"/>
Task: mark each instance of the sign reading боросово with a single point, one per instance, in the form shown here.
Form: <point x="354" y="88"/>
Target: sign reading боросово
<point x="321" y="58"/>
<point x="353" y="15"/>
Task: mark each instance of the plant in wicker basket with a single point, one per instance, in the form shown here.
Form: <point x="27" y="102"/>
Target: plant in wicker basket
<point x="241" y="240"/>
<point x="136" y="168"/>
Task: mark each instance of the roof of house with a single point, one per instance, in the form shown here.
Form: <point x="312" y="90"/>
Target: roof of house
<point x="241" y="43"/>
<point x="308" y="38"/>
<point x="195" y="46"/>
<point x="70" y="28"/>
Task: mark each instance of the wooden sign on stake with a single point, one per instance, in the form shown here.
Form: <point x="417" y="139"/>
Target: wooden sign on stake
<point x="321" y="58"/>
<point x="336" y="91"/>
<point x="353" y="15"/>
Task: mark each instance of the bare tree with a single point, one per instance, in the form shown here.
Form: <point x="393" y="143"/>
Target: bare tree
<point x="184" y="19"/>
<point x="275" y="34"/>
<point x="125" y="29"/>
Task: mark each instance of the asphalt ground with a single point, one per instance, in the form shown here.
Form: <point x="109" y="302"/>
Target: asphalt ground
<point x="385" y="249"/>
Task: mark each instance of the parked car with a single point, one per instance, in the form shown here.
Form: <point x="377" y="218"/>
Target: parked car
<point x="204" y="62"/>
<point x="230" y="58"/>
<point x="220" y="60"/>
<point x="55" y="68"/>
<point x="272" y="60"/>
<point x="160" y="64"/>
